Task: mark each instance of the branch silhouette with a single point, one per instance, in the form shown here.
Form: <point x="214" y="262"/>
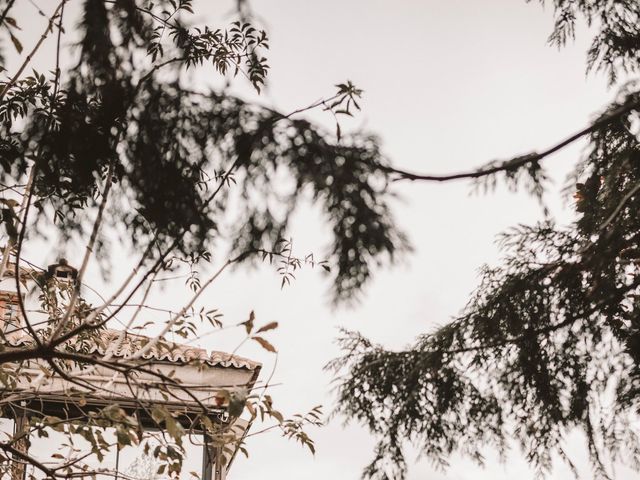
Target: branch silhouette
<point x="520" y="161"/>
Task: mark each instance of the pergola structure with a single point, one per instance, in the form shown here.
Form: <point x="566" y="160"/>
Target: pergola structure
<point x="202" y="374"/>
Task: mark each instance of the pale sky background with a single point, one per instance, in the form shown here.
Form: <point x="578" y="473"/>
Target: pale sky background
<point x="449" y="85"/>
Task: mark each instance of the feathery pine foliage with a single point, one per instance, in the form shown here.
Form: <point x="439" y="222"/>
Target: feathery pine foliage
<point x="550" y="341"/>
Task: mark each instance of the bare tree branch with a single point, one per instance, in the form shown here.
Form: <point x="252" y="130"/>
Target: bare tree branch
<point x="518" y="162"/>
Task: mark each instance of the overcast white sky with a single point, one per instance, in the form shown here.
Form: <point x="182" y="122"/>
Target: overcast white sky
<point x="449" y="85"/>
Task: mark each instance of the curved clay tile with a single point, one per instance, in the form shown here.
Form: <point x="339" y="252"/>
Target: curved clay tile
<point x="164" y="352"/>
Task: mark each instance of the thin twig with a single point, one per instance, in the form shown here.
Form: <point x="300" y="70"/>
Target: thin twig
<point x="6" y="252"/>
<point x="37" y="46"/>
<point x="620" y="206"/>
<point x="517" y="162"/>
<point x="180" y="314"/>
<point x="87" y="255"/>
<point x="3" y="16"/>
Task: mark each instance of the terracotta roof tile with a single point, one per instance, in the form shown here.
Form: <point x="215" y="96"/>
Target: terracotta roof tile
<point x="166" y="351"/>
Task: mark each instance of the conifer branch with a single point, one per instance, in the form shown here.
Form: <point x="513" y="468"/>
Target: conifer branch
<point x="518" y="162"/>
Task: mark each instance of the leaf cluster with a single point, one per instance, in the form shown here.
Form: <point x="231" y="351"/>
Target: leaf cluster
<point x="173" y="154"/>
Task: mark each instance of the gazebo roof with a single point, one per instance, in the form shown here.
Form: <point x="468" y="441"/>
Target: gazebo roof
<point x="169" y="352"/>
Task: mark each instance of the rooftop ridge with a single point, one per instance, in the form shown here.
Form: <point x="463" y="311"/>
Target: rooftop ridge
<point x="171" y="352"/>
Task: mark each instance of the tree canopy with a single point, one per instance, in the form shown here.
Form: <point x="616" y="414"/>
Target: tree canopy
<point x="126" y="141"/>
<point x="126" y="118"/>
<point x="550" y="340"/>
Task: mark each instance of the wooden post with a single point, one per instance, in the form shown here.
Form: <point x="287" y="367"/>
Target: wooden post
<point x="220" y="468"/>
<point x="19" y="466"/>
<point x="207" y="464"/>
<point x="213" y="467"/>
